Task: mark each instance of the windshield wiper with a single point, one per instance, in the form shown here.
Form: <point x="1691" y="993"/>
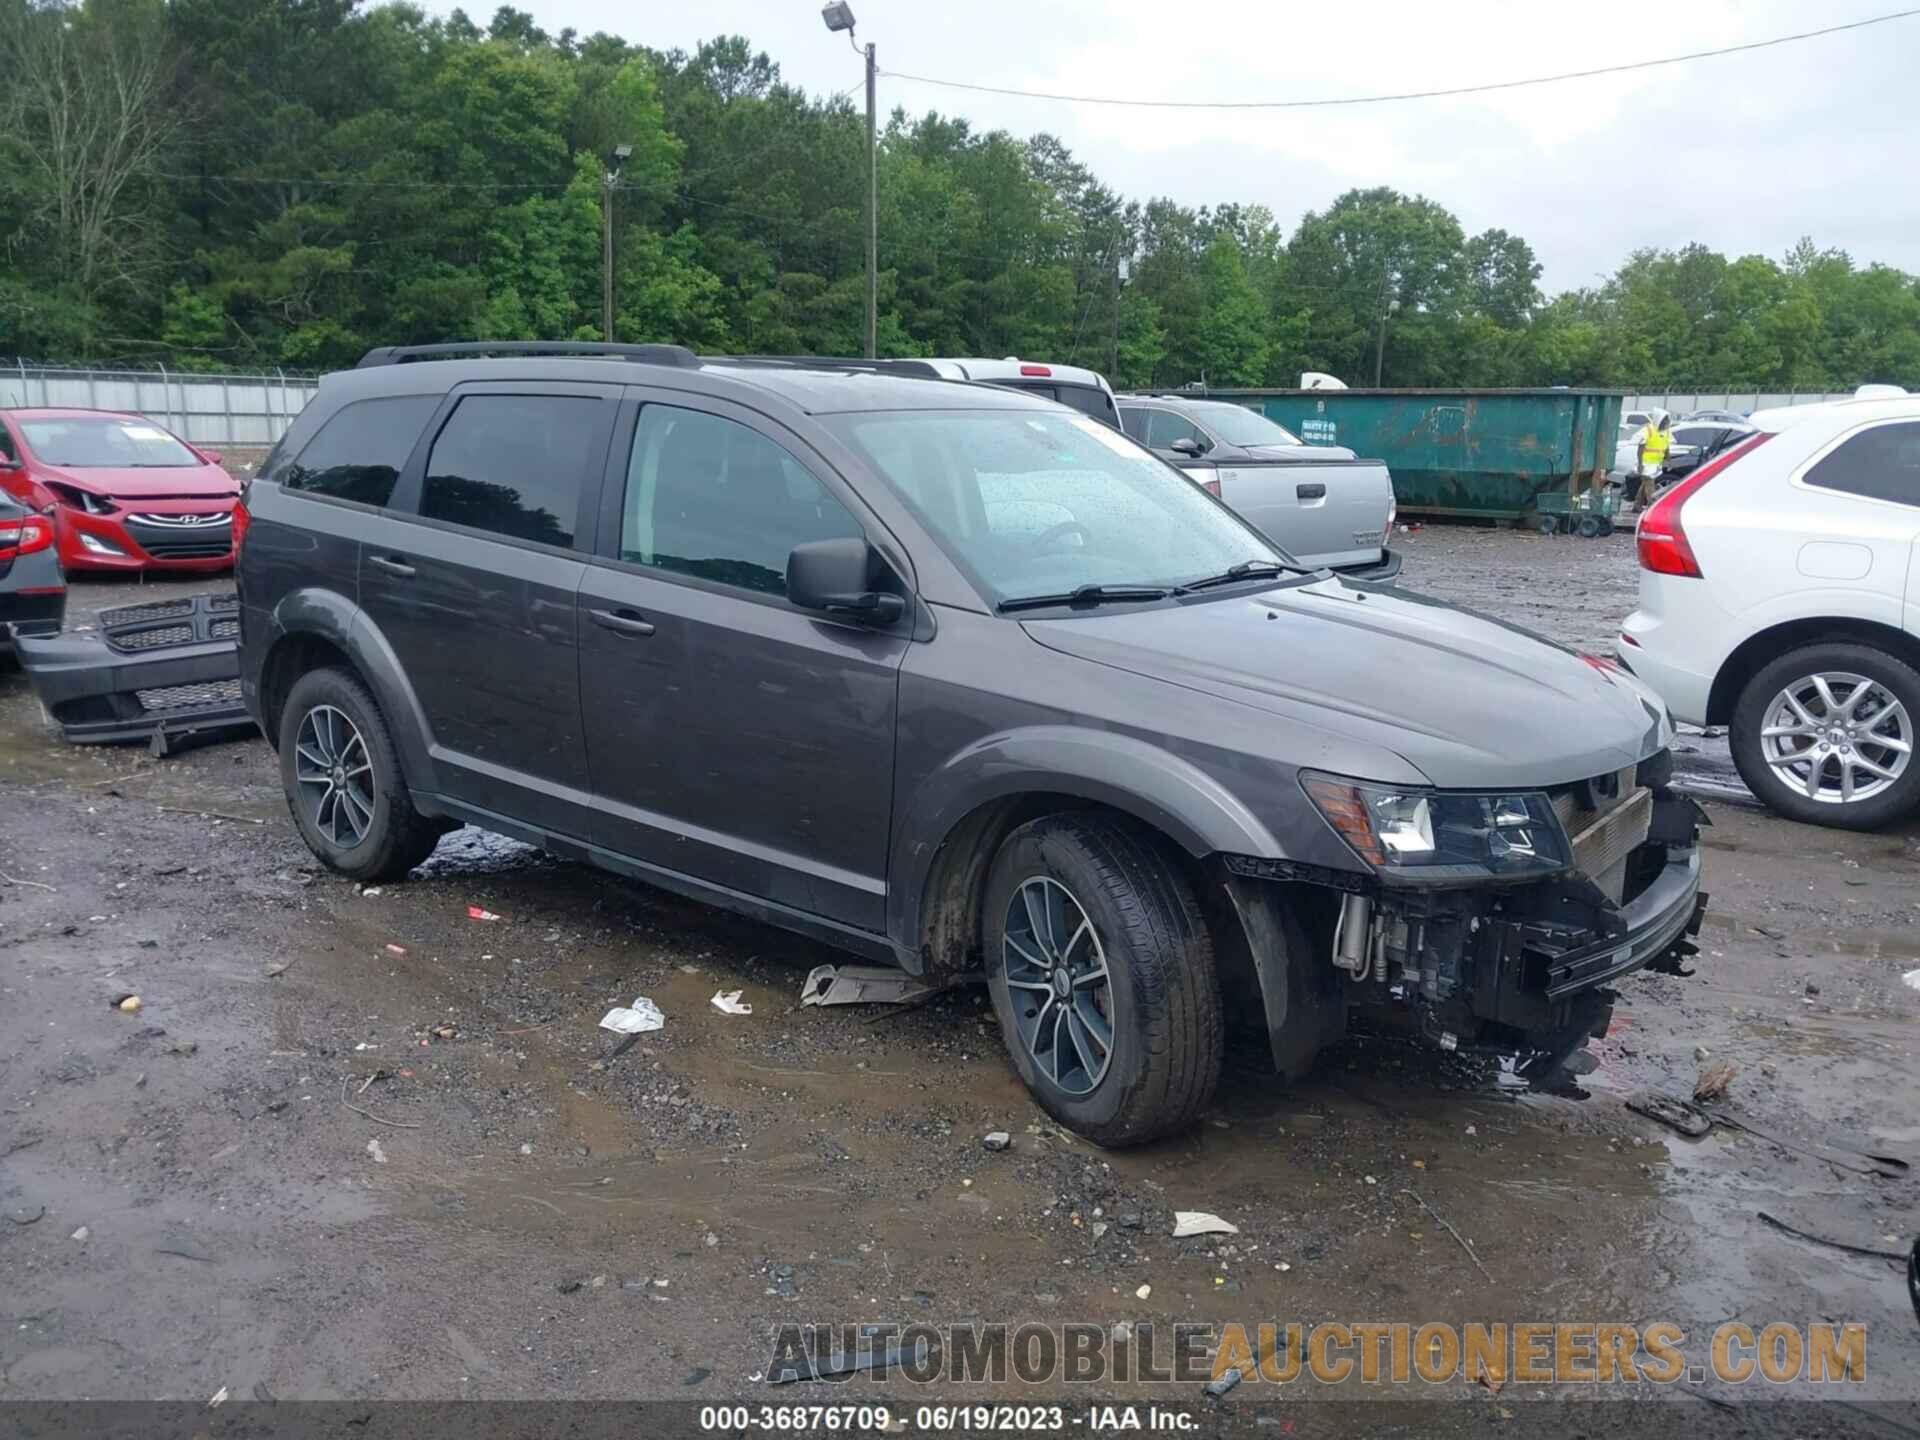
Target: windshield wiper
<point x="1247" y="570"/>
<point x="1086" y="595"/>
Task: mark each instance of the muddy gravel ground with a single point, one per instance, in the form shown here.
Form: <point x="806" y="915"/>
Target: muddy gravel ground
<point x="363" y="1145"/>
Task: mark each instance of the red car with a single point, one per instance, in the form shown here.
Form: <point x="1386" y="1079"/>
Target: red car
<point x="124" y="493"/>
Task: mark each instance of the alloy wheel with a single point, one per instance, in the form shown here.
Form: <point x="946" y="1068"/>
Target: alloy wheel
<point x="1058" y="985"/>
<point x="335" y="775"/>
<point x="1837" y="737"/>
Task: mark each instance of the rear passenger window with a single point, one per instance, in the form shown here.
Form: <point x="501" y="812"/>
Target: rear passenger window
<point x="1089" y="400"/>
<point x="1164" y="428"/>
<point x="360" y="452"/>
<point x="512" y="465"/>
<point x="1881" y="464"/>
<point x="710" y="497"/>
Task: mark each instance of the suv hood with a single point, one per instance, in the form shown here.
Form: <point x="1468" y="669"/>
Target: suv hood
<point x="1468" y="701"/>
<point x="141" y="482"/>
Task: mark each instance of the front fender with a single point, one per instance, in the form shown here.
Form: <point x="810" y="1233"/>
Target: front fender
<point x="1159" y="788"/>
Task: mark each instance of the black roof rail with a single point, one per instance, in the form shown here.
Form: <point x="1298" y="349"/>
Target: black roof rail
<point x="903" y="366"/>
<point x="677" y="355"/>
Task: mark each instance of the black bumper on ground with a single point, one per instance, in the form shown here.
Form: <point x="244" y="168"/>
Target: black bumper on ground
<point x="32" y="615"/>
<point x="155" y="672"/>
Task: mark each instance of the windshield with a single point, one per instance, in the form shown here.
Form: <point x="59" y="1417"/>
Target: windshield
<point x="1238" y="425"/>
<point x="91" y="444"/>
<point x="1041" y="503"/>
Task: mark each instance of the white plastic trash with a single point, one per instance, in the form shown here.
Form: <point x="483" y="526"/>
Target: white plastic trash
<point x="729" y="1001"/>
<point x="634" y="1019"/>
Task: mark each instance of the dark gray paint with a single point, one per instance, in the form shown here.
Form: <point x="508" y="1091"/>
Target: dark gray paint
<point x="808" y="771"/>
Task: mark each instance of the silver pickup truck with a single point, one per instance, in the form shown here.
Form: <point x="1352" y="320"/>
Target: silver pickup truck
<point x="1321" y="503"/>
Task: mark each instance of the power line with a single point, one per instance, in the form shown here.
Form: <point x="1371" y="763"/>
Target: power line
<point x="1406" y="94"/>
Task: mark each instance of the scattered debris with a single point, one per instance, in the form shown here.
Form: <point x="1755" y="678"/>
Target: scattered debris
<point x="184" y="1047"/>
<point x="727" y="1002"/>
<point x="1713" y="1081"/>
<point x="15" y="880"/>
<point x="377" y="1119"/>
<point x="634" y="1019"/>
<point x="1494" y="1383"/>
<point x="697" y="1375"/>
<point x="1226" y="1382"/>
<point x="476" y="912"/>
<point x="82" y="1235"/>
<point x="861" y="985"/>
<point x="997" y="1140"/>
<point x="1911" y="979"/>
<point x="570" y="1285"/>
<point x="1122" y="1332"/>
<point x="1701" y="1053"/>
<point x="393" y="949"/>
<point x="374" y="1149"/>
<point x="24" y="1216"/>
<point x="1199" y="1222"/>
<point x="126" y="1003"/>
<point x="371" y="892"/>
<point x="219" y="1397"/>
<point x="279" y="967"/>
<point x="1808" y="1235"/>
<point x="1447" y="1225"/>
<point x="1674" y="1114"/>
<point x="819" y="1367"/>
<point x="1143" y="1292"/>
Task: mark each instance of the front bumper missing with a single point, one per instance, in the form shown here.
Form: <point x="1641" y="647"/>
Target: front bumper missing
<point x="155" y="672"/>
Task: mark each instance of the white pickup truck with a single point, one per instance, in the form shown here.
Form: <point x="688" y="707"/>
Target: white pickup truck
<point x="1321" y="503"/>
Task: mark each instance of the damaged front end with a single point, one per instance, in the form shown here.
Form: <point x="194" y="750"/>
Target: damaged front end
<point x="1488" y="922"/>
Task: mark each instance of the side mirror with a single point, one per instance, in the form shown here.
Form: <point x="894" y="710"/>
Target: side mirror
<point x="837" y="576"/>
<point x="1188" y="447"/>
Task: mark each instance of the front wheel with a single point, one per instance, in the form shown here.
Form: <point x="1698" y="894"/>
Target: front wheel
<point x="1826" y="734"/>
<point x="341" y="773"/>
<point x="1103" y="979"/>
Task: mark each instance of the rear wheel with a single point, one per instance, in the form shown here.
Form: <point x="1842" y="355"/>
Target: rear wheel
<point x="1546" y="524"/>
<point x="1589" y="527"/>
<point x="341" y="773"/>
<point x="1103" y="979"/>
<point x="1826" y="735"/>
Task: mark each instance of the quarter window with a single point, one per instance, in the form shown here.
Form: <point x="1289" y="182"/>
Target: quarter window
<point x="710" y="497"/>
<point x="1881" y="464"/>
<point x="360" y="452"/>
<point x="1133" y="420"/>
<point x="512" y="465"/>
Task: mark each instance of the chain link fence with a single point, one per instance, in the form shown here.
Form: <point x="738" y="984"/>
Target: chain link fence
<point x="216" y="410"/>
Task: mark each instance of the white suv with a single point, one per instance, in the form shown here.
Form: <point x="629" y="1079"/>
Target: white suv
<point x="1780" y="597"/>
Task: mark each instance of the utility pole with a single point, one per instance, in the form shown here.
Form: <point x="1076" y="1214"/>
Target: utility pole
<point x="838" y="16"/>
<point x="1380" y="345"/>
<point x="873" y="215"/>
<point x="608" y="177"/>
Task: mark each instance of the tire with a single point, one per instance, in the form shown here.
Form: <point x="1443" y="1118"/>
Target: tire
<point x="1891" y="705"/>
<point x="1589" y="527"/>
<point x="1546" y="524"/>
<point x="1166" y="1024"/>
<point x="376" y="834"/>
<point x="1606" y="526"/>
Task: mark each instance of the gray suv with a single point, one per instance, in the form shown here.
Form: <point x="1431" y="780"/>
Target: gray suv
<point x="954" y="678"/>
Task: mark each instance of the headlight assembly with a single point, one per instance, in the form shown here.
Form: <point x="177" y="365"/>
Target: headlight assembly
<point x="1433" y="836"/>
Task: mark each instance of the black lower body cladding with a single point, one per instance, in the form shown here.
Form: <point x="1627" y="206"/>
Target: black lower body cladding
<point x="1512" y="969"/>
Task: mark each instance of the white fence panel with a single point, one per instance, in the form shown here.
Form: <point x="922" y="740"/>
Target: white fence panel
<point x="211" y="410"/>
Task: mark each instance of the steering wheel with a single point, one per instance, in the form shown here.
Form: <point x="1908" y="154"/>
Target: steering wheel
<point x="1046" y="538"/>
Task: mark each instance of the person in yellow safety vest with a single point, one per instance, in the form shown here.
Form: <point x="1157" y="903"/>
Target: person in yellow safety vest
<point x="1652" y="454"/>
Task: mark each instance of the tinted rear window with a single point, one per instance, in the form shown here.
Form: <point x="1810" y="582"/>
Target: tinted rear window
<point x="1089" y="400"/>
<point x="1882" y="464"/>
<point x="360" y="452"/>
<point x="513" y="464"/>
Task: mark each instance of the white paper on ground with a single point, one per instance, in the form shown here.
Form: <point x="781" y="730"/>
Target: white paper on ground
<point x="633" y="1019"/>
<point x="729" y="1001"/>
<point x="1199" y="1222"/>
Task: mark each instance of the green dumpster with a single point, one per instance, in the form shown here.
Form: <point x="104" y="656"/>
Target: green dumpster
<point x="1485" y="454"/>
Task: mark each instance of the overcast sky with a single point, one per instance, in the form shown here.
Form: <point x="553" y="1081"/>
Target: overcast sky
<point x="1745" y="153"/>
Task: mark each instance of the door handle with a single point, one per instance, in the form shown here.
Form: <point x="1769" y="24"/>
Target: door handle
<point x="621" y="622"/>
<point x="392" y="565"/>
<point x="1311" y="492"/>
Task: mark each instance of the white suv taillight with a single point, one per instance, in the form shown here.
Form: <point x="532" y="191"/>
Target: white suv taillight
<point x="1661" y="538"/>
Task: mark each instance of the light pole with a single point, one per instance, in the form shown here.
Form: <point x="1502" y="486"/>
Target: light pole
<point x="839" y="16"/>
<point x="607" y="179"/>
